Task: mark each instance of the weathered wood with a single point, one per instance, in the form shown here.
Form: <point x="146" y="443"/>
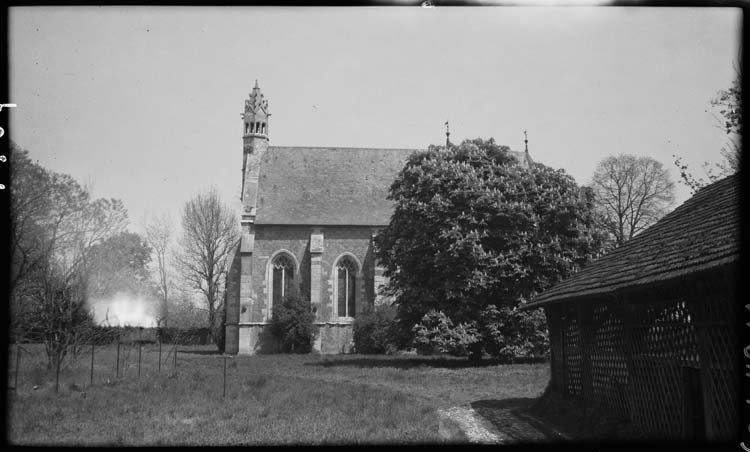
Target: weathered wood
<point x="627" y="327"/>
<point x="91" y="380"/>
<point x="584" y="328"/>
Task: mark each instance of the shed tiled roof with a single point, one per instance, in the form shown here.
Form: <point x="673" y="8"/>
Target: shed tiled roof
<point x="327" y="186"/>
<point x="702" y="233"/>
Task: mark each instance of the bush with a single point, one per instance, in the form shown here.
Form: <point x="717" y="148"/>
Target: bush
<point x="375" y="330"/>
<point x="185" y="336"/>
<point x="292" y="324"/>
<point x="501" y="332"/>
<point x="510" y="334"/>
<point x="435" y="333"/>
<point x="218" y="332"/>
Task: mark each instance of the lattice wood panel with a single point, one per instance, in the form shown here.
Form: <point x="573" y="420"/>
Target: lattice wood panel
<point x="666" y="365"/>
<point x="664" y="342"/>
<point x="571" y="352"/>
<point x="555" y="338"/>
<point x="721" y="385"/>
<point x="608" y="361"/>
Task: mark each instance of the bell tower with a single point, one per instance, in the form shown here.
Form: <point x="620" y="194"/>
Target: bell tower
<point x="254" y="145"/>
<point x="239" y="279"/>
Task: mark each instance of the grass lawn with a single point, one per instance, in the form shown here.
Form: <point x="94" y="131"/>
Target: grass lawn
<point x="270" y="399"/>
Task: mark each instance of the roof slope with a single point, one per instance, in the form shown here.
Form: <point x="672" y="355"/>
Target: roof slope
<point x="702" y="233"/>
<point x="327" y="186"/>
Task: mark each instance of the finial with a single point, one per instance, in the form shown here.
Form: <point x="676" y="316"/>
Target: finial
<point x="447" y="134"/>
<point x="256" y="83"/>
<point x="526" y="141"/>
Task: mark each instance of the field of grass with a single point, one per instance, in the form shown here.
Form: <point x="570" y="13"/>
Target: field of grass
<point x="270" y="399"/>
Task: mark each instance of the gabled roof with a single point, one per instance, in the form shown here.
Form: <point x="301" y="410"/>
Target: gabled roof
<point x="327" y="186"/>
<point x="702" y="233"/>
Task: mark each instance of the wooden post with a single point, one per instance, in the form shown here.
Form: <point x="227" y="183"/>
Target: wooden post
<point x="224" y="394"/>
<point x="57" y="372"/>
<point x="117" y="366"/>
<point x="175" y="355"/>
<point x="584" y="328"/>
<point x="563" y="358"/>
<point x="139" y="359"/>
<point x="552" y="355"/>
<point x="627" y="328"/>
<point x="703" y="338"/>
<point x="91" y="381"/>
<point x="159" y="370"/>
<point x="18" y="363"/>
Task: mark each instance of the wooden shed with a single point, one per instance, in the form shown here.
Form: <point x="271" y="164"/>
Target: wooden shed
<point x="650" y="330"/>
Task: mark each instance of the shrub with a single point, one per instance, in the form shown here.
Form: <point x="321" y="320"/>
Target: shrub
<point x="501" y="332"/>
<point x="375" y="330"/>
<point x="510" y="334"/>
<point x="435" y="333"/>
<point x="218" y="331"/>
<point x="184" y="336"/>
<point x="292" y="324"/>
<point x="103" y="335"/>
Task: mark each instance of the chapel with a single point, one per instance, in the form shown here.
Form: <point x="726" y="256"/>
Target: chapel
<point x="309" y="216"/>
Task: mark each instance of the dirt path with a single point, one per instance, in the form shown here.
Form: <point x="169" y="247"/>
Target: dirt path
<point x="497" y="422"/>
<point x="457" y="423"/>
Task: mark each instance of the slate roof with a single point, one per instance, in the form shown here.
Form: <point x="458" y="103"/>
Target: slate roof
<point x="702" y="233"/>
<point x="327" y="186"/>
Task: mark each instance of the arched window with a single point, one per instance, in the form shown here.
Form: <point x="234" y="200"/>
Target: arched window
<point x="247" y="128"/>
<point x="346" y="283"/>
<point x="283" y="275"/>
<point x="263" y="127"/>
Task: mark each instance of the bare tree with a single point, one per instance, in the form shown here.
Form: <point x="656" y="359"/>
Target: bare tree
<point x="631" y="193"/>
<point x="209" y="233"/>
<point x="31" y="213"/>
<point x="55" y="226"/>
<point x="159" y="237"/>
<point x="727" y="111"/>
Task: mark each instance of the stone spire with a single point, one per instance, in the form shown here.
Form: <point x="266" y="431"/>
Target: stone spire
<point x="254" y="146"/>
<point x="447" y="134"/>
<point x="255" y="104"/>
<point x="526" y="141"/>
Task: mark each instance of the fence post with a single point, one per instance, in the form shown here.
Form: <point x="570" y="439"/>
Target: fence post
<point x="57" y="372"/>
<point x="18" y="363"/>
<point x="117" y="366"/>
<point x="175" y="355"/>
<point x="139" y="359"/>
<point x="159" y="355"/>
<point x="224" y="394"/>
<point x="91" y="383"/>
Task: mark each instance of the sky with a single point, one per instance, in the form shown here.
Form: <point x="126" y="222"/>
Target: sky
<point x="144" y="103"/>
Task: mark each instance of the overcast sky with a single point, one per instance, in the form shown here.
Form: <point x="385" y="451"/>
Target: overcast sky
<point x="145" y="102"/>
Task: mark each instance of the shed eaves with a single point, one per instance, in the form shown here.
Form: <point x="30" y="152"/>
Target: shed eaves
<point x="702" y="233"/>
<point x="327" y="186"/>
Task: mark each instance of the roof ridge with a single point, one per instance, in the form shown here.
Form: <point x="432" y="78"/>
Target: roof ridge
<point x="346" y="147"/>
<point x="700" y="233"/>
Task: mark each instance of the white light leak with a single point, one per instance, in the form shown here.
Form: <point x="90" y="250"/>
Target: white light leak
<point x="124" y="310"/>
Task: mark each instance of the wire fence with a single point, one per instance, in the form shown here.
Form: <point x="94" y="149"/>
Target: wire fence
<point x="128" y="359"/>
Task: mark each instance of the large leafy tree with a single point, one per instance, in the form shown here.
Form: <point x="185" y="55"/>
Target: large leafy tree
<point x="473" y="230"/>
<point x="631" y="193"/>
